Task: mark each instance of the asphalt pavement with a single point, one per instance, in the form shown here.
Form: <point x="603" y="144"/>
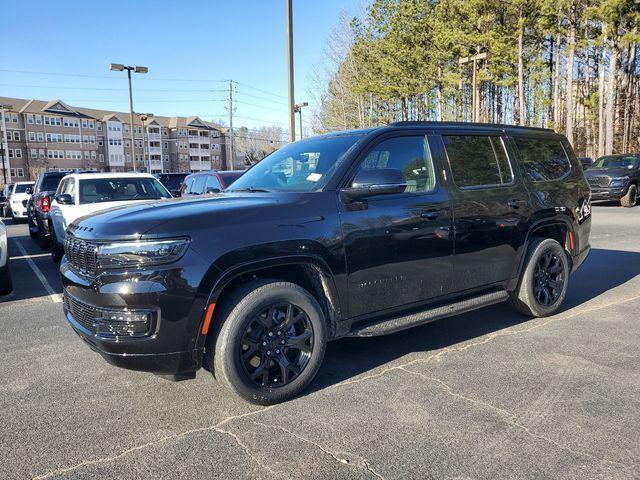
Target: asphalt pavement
<point x="489" y="394"/>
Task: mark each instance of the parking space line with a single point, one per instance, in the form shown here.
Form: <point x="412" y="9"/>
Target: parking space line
<point x="37" y="255"/>
<point x="55" y="297"/>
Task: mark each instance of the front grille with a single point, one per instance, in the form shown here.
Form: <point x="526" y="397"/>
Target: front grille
<point x="81" y="255"/>
<point x="82" y="313"/>
<point x="599" y="180"/>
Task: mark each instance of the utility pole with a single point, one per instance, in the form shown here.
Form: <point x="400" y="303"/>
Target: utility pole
<point x="475" y="105"/>
<point x="143" y="118"/>
<point x="118" y="67"/>
<point x="3" y="142"/>
<point x="292" y="112"/>
<point x="232" y="152"/>
<point x="298" y="109"/>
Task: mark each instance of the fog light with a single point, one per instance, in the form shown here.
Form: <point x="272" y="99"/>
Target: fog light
<point x="124" y="323"/>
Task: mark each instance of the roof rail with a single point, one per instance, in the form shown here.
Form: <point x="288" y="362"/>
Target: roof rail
<point x="415" y="123"/>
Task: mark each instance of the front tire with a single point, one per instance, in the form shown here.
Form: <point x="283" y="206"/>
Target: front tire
<point x="544" y="281"/>
<point x="271" y="342"/>
<point x="631" y="198"/>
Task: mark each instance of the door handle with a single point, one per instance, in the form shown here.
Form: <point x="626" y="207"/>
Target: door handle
<point x="516" y="203"/>
<point x="432" y="214"/>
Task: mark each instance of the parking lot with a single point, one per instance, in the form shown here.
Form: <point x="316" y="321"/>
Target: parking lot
<point x="489" y="394"/>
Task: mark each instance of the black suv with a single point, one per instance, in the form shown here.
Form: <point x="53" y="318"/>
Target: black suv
<point x="39" y="205"/>
<point x="356" y="233"/>
<point x="615" y="177"/>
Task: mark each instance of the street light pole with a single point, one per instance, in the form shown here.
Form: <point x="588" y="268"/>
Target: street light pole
<point x="298" y="108"/>
<point x="292" y="114"/>
<point x="143" y="118"/>
<point x="475" y="97"/>
<point x="118" y="67"/>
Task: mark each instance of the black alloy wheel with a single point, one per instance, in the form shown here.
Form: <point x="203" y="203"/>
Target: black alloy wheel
<point x="548" y="279"/>
<point x="276" y="345"/>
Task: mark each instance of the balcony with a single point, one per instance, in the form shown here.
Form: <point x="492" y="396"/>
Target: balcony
<point x="198" y="139"/>
<point x="154" y="136"/>
<point x="199" y="165"/>
<point x="199" y="152"/>
<point x="154" y="150"/>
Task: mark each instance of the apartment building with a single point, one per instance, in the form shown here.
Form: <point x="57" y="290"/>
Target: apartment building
<point x="39" y="135"/>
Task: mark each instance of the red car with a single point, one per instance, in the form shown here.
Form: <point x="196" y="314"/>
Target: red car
<point x="208" y="182"/>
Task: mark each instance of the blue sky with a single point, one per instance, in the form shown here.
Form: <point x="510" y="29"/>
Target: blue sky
<point x="189" y="47"/>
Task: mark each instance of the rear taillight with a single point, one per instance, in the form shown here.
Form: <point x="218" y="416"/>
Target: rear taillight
<point x="45" y="204"/>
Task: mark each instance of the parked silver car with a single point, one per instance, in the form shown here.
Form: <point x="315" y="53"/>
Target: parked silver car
<point x="5" y="275"/>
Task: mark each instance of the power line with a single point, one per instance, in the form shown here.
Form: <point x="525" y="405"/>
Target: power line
<point x="262" y="98"/>
<point x="261" y="90"/>
<point x="261" y="106"/>
<point x="112" y="89"/>
<point x="84" y="75"/>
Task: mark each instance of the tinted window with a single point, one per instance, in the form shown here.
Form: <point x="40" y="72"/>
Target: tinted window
<point x="410" y="155"/>
<point x="212" y="184"/>
<point x="97" y="190"/>
<point x="229" y="177"/>
<point x="172" y="182"/>
<point x="301" y="166"/>
<point x="543" y="159"/>
<point x="477" y="160"/>
<point x="50" y="183"/>
<point x="197" y="187"/>
<point x="188" y="184"/>
<point x="22" y="187"/>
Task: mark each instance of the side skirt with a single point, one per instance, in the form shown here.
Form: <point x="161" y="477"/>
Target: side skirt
<point x="402" y="322"/>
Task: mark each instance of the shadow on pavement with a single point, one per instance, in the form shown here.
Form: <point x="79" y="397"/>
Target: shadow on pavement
<point x="603" y="270"/>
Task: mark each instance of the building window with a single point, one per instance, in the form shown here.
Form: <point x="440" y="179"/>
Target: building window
<point x="12" y="172"/>
<point x="41" y="153"/>
<point x="93" y="155"/>
<point x="30" y="119"/>
<point x="166" y="158"/>
<point x="100" y="142"/>
<point x="101" y="157"/>
<point x="14" y="118"/>
<point x="38" y="119"/>
<point x="20" y="172"/>
<point x="16" y="136"/>
<point x="10" y="151"/>
<point x="40" y="136"/>
<point x="127" y="143"/>
<point x="34" y="153"/>
<point x="18" y="153"/>
<point x="166" y="144"/>
<point x="32" y="136"/>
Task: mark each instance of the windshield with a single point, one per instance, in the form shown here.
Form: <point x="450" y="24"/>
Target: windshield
<point x="616" y="161"/>
<point x="229" y="177"/>
<point x="97" y="190"/>
<point x="22" y="187"/>
<point x="172" y="182"/>
<point x="302" y="166"/>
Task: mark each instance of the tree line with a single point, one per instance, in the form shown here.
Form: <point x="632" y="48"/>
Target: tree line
<point x="568" y="65"/>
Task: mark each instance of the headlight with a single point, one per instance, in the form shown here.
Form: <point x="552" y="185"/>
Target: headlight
<point x="143" y="253"/>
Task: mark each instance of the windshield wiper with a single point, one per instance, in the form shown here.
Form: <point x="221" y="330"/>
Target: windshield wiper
<point x="250" y="190"/>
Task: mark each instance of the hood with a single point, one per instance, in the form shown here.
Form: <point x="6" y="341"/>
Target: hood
<point x="180" y="214"/>
<point x="611" y="172"/>
<point x="19" y="197"/>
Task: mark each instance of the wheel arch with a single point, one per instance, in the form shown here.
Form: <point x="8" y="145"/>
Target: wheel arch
<point x="310" y="272"/>
<point x="556" y="228"/>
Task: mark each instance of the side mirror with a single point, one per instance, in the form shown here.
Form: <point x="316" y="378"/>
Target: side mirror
<point x="376" y="181"/>
<point x="213" y="190"/>
<point x="64" y="199"/>
<point x="28" y="191"/>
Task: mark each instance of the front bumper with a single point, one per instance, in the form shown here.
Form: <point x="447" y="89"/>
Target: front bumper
<point x="18" y="211"/>
<point x="608" y="193"/>
<point x="172" y="346"/>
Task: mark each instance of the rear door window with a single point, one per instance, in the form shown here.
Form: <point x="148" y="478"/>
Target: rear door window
<point x="212" y="184"/>
<point x="478" y="160"/>
<point x="543" y="159"/>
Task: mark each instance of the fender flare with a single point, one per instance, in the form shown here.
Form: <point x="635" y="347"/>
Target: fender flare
<point x="320" y="267"/>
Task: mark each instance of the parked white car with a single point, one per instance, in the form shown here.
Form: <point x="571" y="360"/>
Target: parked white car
<point x="82" y="194"/>
<point x="16" y="206"/>
<point x="5" y="274"/>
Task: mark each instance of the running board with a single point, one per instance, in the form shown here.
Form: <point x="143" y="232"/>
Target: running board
<point x="403" y="322"/>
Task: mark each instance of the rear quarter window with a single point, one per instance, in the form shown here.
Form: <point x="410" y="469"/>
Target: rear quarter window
<point x="543" y="159"/>
<point x="478" y="161"/>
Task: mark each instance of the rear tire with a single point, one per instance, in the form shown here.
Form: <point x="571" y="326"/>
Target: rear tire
<point x="271" y="341"/>
<point x="544" y="281"/>
<point x="57" y="252"/>
<point x="43" y="240"/>
<point x="631" y="198"/>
